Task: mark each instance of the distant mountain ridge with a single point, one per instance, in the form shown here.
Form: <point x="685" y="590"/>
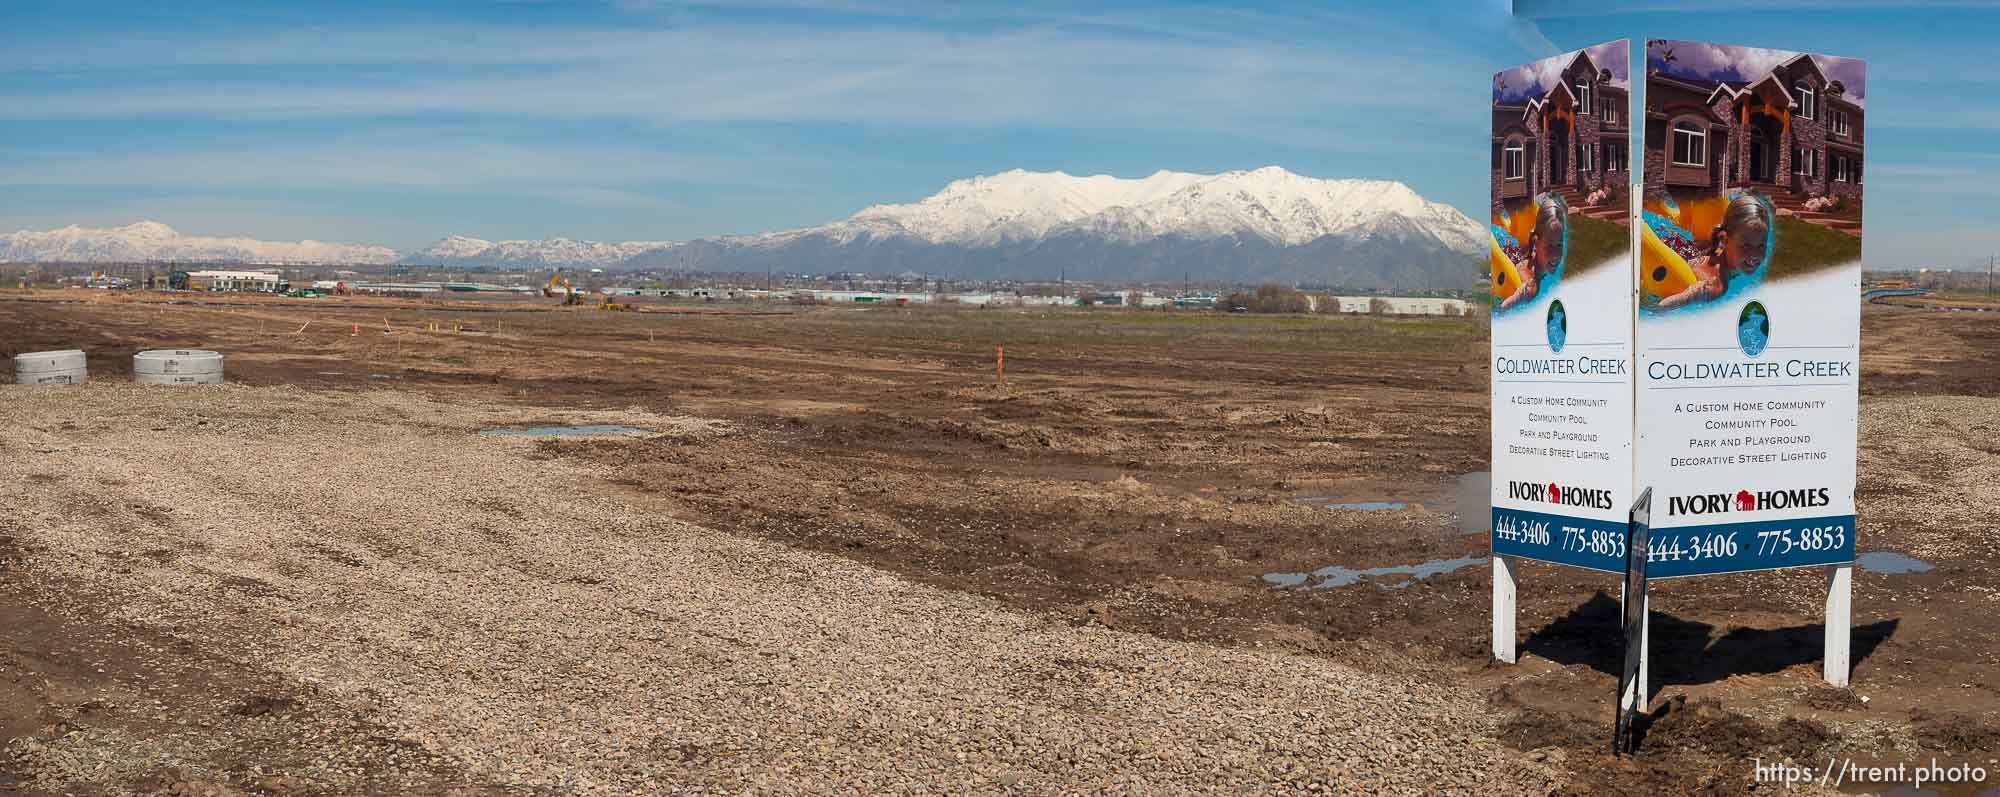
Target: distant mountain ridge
<point x="1262" y="225"/>
<point x="148" y="241"/>
<point x="458" y="250"/>
<point x="1241" y="226"/>
<point x="1269" y="203"/>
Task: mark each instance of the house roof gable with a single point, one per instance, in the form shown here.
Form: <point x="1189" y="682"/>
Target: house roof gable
<point x="1769" y="85"/>
<point x="1548" y="97"/>
<point x="1810" y="62"/>
<point x="1583" y="57"/>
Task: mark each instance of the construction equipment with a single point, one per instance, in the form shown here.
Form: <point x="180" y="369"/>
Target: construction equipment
<point x="560" y="288"/>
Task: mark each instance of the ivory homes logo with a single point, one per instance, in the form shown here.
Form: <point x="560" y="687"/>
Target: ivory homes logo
<point x="1553" y="493"/>
<point x="1746" y="501"/>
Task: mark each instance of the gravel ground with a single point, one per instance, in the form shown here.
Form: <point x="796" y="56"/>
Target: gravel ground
<point x="507" y="612"/>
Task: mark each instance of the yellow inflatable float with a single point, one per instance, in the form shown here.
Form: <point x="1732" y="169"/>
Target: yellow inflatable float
<point x="1662" y="271"/>
<point x="1509" y="229"/>
<point x="1505" y="277"/>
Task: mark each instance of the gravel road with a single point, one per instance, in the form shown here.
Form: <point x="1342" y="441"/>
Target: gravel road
<point x="511" y="615"/>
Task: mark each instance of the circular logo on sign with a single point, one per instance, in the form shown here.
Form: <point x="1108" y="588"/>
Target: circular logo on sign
<point x="1753" y="328"/>
<point x="1558" y="325"/>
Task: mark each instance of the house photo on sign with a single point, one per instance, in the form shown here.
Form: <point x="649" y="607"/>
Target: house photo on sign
<point x="1748" y="318"/>
<point x="1559" y="268"/>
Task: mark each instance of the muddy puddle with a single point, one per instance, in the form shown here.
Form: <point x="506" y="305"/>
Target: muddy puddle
<point x="564" y="431"/>
<point x="1891" y="563"/>
<point x="1471" y="502"/>
<point x="1339" y="576"/>
<point x="1329" y="502"/>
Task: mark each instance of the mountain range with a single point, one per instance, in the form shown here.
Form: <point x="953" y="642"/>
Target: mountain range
<point x="150" y="241"/>
<point x="458" y="250"/>
<point x="1243" y="226"/>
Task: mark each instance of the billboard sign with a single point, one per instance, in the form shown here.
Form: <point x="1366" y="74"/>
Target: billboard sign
<point x="1559" y="267"/>
<point x="1748" y="314"/>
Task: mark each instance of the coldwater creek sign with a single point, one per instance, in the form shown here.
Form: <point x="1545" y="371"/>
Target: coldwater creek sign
<point x="1677" y="308"/>
<point x="1560" y="264"/>
<point x="1749" y="360"/>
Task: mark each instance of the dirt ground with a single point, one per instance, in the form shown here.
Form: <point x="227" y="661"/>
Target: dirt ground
<point x="1137" y="472"/>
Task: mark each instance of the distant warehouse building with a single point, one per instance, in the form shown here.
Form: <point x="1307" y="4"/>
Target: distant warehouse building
<point x="266" y="281"/>
<point x="1404" y="305"/>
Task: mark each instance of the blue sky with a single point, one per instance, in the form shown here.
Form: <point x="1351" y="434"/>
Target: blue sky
<point x="398" y="123"/>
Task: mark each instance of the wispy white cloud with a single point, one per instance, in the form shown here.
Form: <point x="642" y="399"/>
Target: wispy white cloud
<point x="369" y="161"/>
<point x="1729" y="62"/>
<point x="1537" y="76"/>
<point x="368" y="104"/>
<point x="1054" y="76"/>
<point x="1529" y="35"/>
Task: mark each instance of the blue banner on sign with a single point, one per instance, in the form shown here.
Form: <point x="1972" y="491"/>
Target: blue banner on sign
<point x="1564" y="540"/>
<point x="1739" y="547"/>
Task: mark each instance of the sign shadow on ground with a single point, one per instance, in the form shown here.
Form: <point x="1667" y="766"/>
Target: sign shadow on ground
<point x="1687" y="652"/>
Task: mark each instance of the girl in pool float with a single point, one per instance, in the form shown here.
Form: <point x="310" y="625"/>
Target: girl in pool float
<point x="1537" y="260"/>
<point x="1738" y="246"/>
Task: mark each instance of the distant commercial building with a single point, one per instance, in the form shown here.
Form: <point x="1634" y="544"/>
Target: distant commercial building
<point x="871" y="297"/>
<point x="265" y="281"/>
<point x="1404" y="305"/>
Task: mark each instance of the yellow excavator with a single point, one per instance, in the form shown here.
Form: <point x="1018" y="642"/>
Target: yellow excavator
<point x="560" y="288"/>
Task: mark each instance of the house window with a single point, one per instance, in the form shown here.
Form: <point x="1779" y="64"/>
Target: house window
<point x="1805" y="162"/>
<point x="1610" y="112"/>
<point x="1583" y="97"/>
<point x="1839" y="169"/>
<point x="1514" y="160"/>
<point x="1808" y="106"/>
<point x="1690" y="144"/>
<point x="1839" y="123"/>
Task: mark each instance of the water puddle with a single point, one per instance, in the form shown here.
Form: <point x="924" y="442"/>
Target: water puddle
<point x="1328" y="502"/>
<point x="564" y="431"/>
<point x="1891" y="563"/>
<point x="1473" y="502"/>
<point x="1338" y="576"/>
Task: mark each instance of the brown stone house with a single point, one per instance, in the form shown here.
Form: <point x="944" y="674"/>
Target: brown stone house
<point x="1791" y="133"/>
<point x="1570" y="138"/>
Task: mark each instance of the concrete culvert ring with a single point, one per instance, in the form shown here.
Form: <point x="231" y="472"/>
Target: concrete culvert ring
<point x="177" y="367"/>
<point x="64" y="367"/>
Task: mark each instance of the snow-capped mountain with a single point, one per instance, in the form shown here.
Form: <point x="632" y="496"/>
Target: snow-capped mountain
<point x="1270" y="203"/>
<point x="152" y="241"/>
<point x="1239" y="226"/>
<point x="1267" y="224"/>
<point x="458" y="250"/>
